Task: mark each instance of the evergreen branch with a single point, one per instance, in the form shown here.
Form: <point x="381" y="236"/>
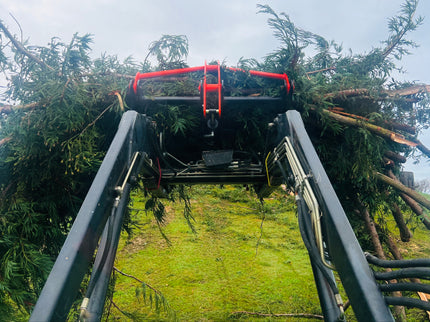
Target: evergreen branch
<point x="415" y="207"/>
<point x="163" y="234"/>
<point x="19" y="26"/>
<point x="117" y="307"/>
<point x="347" y="93"/>
<point x="91" y="124"/>
<point x="158" y="295"/>
<point x="402" y="188"/>
<point x="320" y="70"/>
<point x="64" y="89"/>
<point x="393" y="136"/>
<point x="187" y="208"/>
<point x="402" y="127"/>
<point x="293" y="315"/>
<point x="107" y="73"/>
<point x="137" y="279"/>
<point x="409" y="9"/>
<point x="22" y="49"/>
<point x="408" y="91"/>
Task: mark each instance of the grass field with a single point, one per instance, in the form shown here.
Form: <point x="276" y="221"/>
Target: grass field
<point x="234" y="262"/>
<point x="243" y="257"/>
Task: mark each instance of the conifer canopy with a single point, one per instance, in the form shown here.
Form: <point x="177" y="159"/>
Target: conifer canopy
<point x="64" y="107"/>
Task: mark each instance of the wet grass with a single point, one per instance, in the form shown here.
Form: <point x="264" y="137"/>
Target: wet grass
<point x="229" y="265"/>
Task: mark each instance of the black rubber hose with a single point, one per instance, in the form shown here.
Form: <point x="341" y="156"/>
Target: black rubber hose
<point x="417" y="272"/>
<point x="305" y="228"/>
<point x="96" y="274"/>
<point x="412" y="287"/>
<point x="407" y="301"/>
<point x="284" y="174"/>
<point x="419" y="262"/>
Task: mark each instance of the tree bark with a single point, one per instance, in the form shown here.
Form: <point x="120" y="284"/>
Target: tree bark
<point x="412" y="90"/>
<point x="422" y="148"/>
<point x="395" y="156"/>
<point x="347" y="93"/>
<point x="371" y="228"/>
<point x="405" y="233"/>
<point x="400" y="187"/>
<point x="408" y="91"/>
<point x="393" y="136"/>
<point x="394" y="250"/>
<point x="396" y="126"/>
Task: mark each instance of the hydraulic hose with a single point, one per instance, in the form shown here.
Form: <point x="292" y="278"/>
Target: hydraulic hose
<point x="416" y="272"/>
<point x="96" y="274"/>
<point x="407" y="301"/>
<point x="305" y="227"/>
<point x="284" y="174"/>
<point x="420" y="262"/>
<point x="412" y="287"/>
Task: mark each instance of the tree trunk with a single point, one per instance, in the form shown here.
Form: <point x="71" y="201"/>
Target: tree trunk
<point x="402" y="188"/>
<point x="399" y="311"/>
<point x="395" y="156"/>
<point x="405" y="233"/>
<point x="415" y="207"/>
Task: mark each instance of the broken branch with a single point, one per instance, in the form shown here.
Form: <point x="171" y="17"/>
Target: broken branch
<point x="393" y="136"/>
<point x="22" y="49"/>
<point x="402" y="188"/>
<point x="407" y="91"/>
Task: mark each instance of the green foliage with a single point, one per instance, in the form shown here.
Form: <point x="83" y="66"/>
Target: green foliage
<point x="56" y="138"/>
<point x="67" y="107"/>
<point x="170" y="51"/>
<point x="155" y="300"/>
<point x="350" y="154"/>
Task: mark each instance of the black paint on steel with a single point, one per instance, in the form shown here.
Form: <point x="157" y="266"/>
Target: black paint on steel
<point x="344" y="249"/>
<point x="197" y="99"/>
<point x="72" y="263"/>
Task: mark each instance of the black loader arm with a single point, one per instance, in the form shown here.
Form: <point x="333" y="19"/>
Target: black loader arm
<point x="324" y="227"/>
<point x="99" y="218"/>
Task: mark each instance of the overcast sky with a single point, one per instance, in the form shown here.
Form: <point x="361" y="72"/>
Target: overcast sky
<point x="222" y="30"/>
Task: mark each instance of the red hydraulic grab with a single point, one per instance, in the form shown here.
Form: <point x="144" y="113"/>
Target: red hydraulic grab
<point x="205" y="87"/>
